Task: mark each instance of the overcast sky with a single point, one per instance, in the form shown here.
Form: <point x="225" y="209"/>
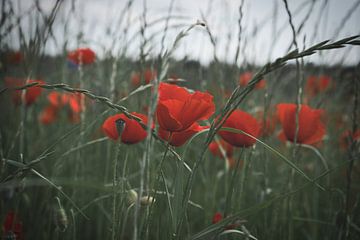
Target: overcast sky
<point x="263" y="20"/>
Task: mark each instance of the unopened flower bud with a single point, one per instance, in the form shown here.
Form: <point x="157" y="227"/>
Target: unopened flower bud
<point x="146" y="200"/>
<point x="132" y="196"/>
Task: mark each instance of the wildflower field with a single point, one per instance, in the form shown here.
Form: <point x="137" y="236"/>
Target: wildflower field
<point x="157" y="125"/>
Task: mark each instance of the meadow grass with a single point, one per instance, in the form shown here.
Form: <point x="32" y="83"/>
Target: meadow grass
<point x="67" y="180"/>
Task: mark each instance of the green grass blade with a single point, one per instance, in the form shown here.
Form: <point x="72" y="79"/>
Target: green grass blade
<point x="287" y="161"/>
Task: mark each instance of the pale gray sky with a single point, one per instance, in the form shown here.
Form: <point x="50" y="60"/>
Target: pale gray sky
<point x="97" y="20"/>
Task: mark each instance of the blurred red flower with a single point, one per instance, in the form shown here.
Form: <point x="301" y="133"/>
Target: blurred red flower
<point x="82" y="55"/>
<point x="242" y="121"/>
<point x="132" y="132"/>
<point x="311" y="129"/>
<point x="179" y="138"/>
<point x="31" y="93"/>
<point x="178" y="109"/>
<point x="12" y="228"/>
<point x="268" y="124"/>
<point x="347" y="137"/>
<point x="59" y="100"/>
<point x="218" y="217"/>
<point x="48" y="115"/>
<point x="315" y="85"/>
<point x="215" y="148"/>
<point x="245" y="78"/>
<point x="148" y="76"/>
<point x="14" y="57"/>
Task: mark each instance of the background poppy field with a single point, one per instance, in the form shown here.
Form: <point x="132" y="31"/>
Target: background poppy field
<point x="134" y="136"/>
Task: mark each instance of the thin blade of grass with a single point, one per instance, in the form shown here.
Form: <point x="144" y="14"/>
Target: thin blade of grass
<point x="168" y="198"/>
<point x="19" y="164"/>
<point x="287" y="161"/>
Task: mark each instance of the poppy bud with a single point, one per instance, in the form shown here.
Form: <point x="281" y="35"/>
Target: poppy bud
<point x="61" y="220"/>
<point x="132" y="132"/>
<point x="132" y="196"/>
<point x="146" y="200"/>
<point x="120" y="125"/>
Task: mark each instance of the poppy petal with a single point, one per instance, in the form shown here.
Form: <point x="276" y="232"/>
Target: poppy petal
<point x="109" y="127"/>
<point x="171" y="91"/>
<point x="311" y="129"/>
<point x="179" y="138"/>
<point x="198" y="107"/>
<point x="167" y="114"/>
<point x="132" y="132"/>
<point x="242" y="121"/>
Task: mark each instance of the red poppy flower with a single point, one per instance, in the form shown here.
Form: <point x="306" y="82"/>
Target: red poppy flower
<point x="59" y="100"/>
<point x="315" y="85"/>
<point x="148" y="76"/>
<point x="245" y="78"/>
<point x="311" y="129"/>
<point x="215" y="149"/>
<point x="82" y="55"/>
<point x="31" y="94"/>
<point x="54" y="99"/>
<point x="178" y="109"/>
<point x="132" y="133"/>
<point x="74" y="101"/>
<point x="12" y="227"/>
<point x="179" y="138"/>
<point x="347" y="137"/>
<point x="218" y="217"/>
<point x="14" y="57"/>
<point x="48" y="115"/>
<point x="244" y="122"/>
